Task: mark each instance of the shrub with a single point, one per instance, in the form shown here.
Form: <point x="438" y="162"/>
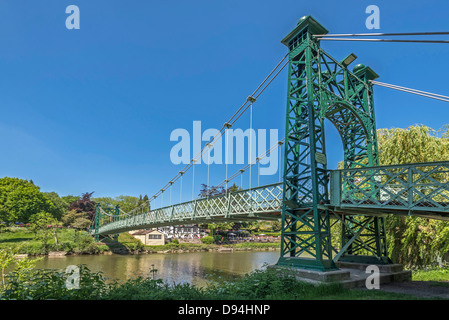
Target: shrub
<point x="84" y="244"/>
<point x="207" y="240"/>
<point x="44" y="284"/>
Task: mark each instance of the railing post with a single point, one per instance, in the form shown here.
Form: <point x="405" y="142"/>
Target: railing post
<point x="194" y="209"/>
<point x="97" y="222"/>
<point x="410" y="187"/>
<point x="171" y="213"/>
<point x="335" y="188"/>
<point x="228" y="211"/>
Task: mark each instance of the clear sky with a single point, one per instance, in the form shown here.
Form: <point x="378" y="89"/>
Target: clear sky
<point x="92" y="109"/>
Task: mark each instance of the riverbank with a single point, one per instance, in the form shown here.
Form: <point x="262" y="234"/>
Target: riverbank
<point x="68" y="242"/>
<point x="206" y="258"/>
<point x="261" y="284"/>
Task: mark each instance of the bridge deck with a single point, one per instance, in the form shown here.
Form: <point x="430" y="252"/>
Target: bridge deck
<point x="413" y="189"/>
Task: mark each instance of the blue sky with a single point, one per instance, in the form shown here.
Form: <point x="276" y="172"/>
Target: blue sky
<point x="92" y="109"/>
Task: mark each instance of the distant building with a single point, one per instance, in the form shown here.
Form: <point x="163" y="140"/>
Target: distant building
<point x="151" y="237"/>
<point x="183" y="232"/>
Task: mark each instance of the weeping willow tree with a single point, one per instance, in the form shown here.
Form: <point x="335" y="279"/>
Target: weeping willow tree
<point x="415" y="241"/>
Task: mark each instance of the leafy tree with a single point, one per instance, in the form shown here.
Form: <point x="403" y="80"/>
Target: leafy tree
<point x="414" y="240"/>
<point x="6" y="258"/>
<point x="61" y="206"/>
<point x="69" y="199"/>
<point x="106" y="202"/>
<point x="207" y="191"/>
<point x="77" y="220"/>
<point x="19" y="199"/>
<point x="43" y="225"/>
<point x="213" y="227"/>
<point x="85" y="204"/>
<point x="126" y="203"/>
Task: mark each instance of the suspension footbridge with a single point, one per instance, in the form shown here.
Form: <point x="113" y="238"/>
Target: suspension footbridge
<point x="309" y="199"/>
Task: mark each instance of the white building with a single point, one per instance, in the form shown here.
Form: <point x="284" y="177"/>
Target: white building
<point x="190" y="231"/>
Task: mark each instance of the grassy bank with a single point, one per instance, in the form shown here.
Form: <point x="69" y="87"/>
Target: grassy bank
<point x="26" y="283"/>
<point x="261" y="284"/>
<point x="23" y="241"/>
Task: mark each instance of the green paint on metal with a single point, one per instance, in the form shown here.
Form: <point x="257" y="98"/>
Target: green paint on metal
<point x="319" y="88"/>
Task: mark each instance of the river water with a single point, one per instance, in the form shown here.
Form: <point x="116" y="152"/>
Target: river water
<point x="194" y="268"/>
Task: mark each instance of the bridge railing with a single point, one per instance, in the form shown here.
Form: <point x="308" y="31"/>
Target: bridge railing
<point x="255" y="202"/>
<point x="413" y="187"/>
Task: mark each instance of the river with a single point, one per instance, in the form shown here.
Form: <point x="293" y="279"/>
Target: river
<point x="194" y="268"/>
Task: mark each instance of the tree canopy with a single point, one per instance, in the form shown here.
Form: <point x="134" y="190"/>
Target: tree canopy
<point x="413" y="240"/>
<point x="126" y="203"/>
<point x="20" y="199"/>
<point x="85" y="204"/>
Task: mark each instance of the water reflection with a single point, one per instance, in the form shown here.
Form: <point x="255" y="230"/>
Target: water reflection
<point x="195" y="268"/>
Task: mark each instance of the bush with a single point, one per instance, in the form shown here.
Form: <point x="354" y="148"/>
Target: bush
<point x="207" y="240"/>
<point x="84" y="244"/>
<point x="133" y="246"/>
<point x="44" y="284"/>
<point x="175" y="241"/>
<point x="102" y="248"/>
<point x="32" y="248"/>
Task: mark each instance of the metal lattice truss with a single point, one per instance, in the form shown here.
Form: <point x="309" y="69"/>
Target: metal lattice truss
<point x="319" y="88"/>
<point x="420" y="189"/>
<point x="263" y="203"/>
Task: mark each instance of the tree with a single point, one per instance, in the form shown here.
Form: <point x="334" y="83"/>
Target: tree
<point x="85" y="204"/>
<point x="19" y="199"/>
<point x="61" y="206"/>
<point x="211" y="191"/>
<point x="126" y="203"/>
<point x="43" y="225"/>
<point x="76" y="220"/>
<point x="6" y="258"/>
<point x="69" y="199"/>
<point x="413" y="240"/>
<point x="213" y="227"/>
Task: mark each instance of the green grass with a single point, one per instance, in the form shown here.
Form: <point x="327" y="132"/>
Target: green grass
<point x="433" y="274"/>
<point x="23" y="241"/>
<point x="257" y="245"/>
<point x="15" y="235"/>
<point x="206" y="247"/>
<point x="182" y="246"/>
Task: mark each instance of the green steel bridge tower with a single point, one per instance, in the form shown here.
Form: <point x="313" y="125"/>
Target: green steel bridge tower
<point x="319" y="88"/>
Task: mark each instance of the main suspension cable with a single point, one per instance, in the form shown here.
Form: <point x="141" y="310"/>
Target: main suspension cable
<point x="413" y="91"/>
<point x="379" y="34"/>
<point x="383" y="40"/>
<point x="228" y="124"/>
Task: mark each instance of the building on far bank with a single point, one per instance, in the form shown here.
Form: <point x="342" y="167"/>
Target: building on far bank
<point x="190" y="231"/>
<point x="152" y="237"/>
